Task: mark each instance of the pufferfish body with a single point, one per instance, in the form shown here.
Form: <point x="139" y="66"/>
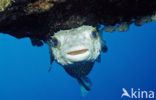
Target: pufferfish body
<point x="77" y="50"/>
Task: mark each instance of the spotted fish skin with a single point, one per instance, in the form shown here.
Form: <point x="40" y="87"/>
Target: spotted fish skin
<point x="76" y="50"/>
<point x="79" y="70"/>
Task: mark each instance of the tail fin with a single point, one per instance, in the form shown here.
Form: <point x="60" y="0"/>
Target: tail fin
<point x="85" y="85"/>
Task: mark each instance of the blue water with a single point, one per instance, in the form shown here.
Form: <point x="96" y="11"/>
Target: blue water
<point x="129" y="63"/>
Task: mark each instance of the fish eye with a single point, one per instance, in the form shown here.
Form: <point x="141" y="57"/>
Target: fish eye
<point x="54" y="42"/>
<point x="94" y="33"/>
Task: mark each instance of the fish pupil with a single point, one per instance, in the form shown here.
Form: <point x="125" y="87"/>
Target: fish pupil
<point x="94" y="34"/>
<point x="55" y="42"/>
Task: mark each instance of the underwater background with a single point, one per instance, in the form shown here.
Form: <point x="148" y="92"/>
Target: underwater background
<point x="129" y="63"/>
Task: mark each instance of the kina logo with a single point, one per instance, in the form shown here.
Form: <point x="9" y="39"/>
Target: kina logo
<point x="138" y="94"/>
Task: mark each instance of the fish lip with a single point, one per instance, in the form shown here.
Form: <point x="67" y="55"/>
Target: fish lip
<point x="78" y="55"/>
<point x="77" y="52"/>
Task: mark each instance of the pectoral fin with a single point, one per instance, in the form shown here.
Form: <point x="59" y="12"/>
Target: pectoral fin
<point x="104" y="49"/>
<point x="51" y="60"/>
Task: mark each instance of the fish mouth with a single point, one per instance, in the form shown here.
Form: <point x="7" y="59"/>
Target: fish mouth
<point x="77" y="52"/>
